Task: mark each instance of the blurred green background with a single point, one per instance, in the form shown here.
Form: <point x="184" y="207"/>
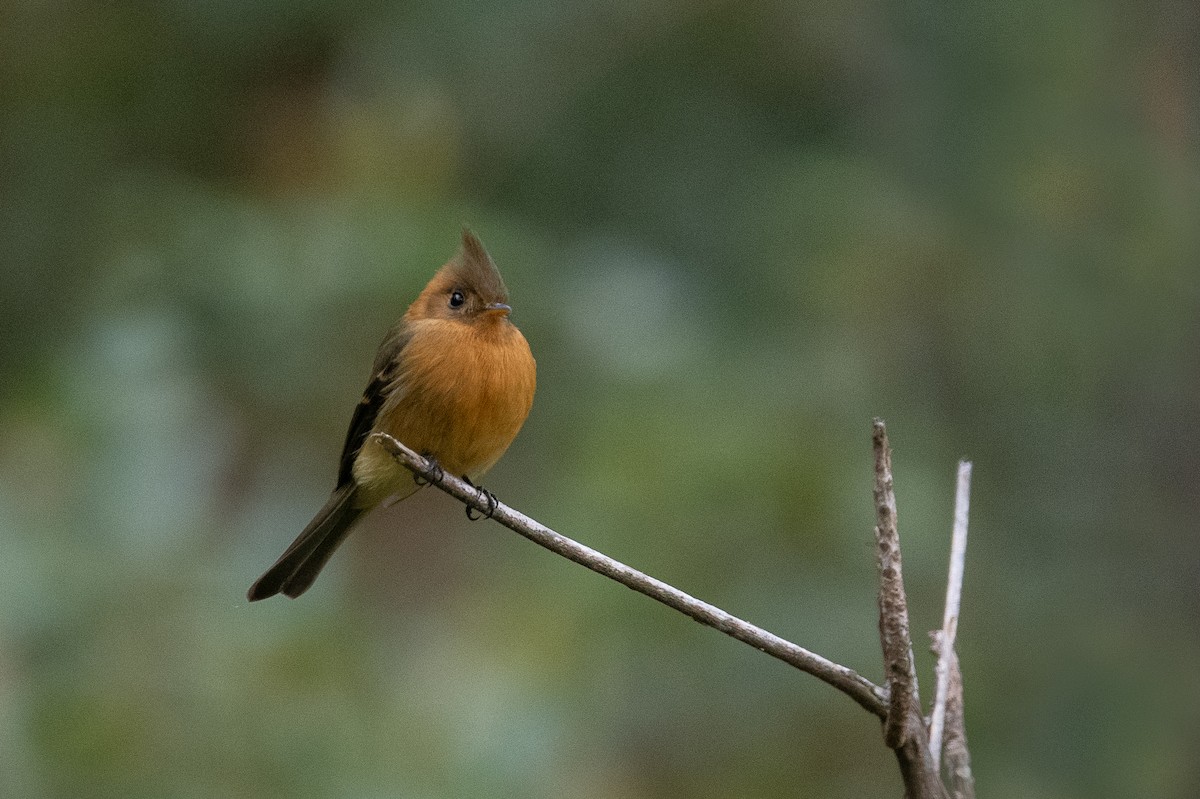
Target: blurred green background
<point x="733" y="234"/>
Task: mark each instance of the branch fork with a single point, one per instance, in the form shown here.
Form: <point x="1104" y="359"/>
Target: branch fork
<point x="896" y="703"/>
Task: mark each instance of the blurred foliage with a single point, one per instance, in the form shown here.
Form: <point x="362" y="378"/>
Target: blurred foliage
<point x="734" y="232"/>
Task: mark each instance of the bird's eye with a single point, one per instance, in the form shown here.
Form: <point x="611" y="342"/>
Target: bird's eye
<point x="457" y="299"/>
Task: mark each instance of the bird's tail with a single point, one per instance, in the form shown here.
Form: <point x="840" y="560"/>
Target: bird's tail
<point x="300" y="564"/>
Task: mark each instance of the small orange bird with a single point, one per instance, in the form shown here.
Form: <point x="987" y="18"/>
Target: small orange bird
<point x="453" y="379"/>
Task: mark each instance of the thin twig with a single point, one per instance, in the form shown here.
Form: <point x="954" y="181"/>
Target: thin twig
<point x="943" y="640"/>
<point x="849" y="682"/>
<point x="946" y="721"/>
<point x="903" y="727"/>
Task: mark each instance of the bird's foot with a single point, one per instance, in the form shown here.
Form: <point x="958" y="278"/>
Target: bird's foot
<point x="487" y="496"/>
<point x="433" y="474"/>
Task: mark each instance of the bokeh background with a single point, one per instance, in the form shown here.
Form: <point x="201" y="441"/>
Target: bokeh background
<point x="733" y="233"/>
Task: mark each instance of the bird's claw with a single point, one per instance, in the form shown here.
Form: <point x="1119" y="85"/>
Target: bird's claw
<point x="488" y="497"/>
<point x="435" y="473"/>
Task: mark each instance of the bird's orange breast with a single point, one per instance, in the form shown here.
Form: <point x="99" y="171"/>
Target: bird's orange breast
<point x="461" y="395"/>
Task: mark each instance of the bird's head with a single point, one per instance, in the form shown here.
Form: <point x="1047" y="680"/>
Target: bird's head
<point x="468" y="288"/>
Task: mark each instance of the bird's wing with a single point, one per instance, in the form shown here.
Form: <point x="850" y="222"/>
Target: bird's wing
<point x="383" y="375"/>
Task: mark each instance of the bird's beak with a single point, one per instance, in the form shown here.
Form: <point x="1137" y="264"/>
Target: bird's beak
<point x="498" y="307"/>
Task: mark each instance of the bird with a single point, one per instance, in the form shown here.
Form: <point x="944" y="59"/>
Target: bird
<point x="453" y="380"/>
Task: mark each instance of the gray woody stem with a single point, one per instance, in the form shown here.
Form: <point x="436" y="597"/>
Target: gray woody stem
<point x="946" y="720"/>
<point x="903" y="727"/>
<point x="849" y="682"/>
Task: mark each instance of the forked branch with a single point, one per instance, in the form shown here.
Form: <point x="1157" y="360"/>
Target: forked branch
<point x="897" y="703"/>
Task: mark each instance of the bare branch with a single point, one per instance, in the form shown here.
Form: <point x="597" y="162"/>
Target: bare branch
<point x="946" y="720"/>
<point x="849" y="682"/>
<point x="903" y="727"/>
<point x="959" y="779"/>
<point x="943" y="643"/>
<point x="899" y="665"/>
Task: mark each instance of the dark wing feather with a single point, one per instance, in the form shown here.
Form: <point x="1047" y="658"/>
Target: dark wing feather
<point x="383" y="374"/>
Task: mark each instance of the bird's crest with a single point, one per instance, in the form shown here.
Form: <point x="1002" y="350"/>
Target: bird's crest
<point x="473" y="266"/>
